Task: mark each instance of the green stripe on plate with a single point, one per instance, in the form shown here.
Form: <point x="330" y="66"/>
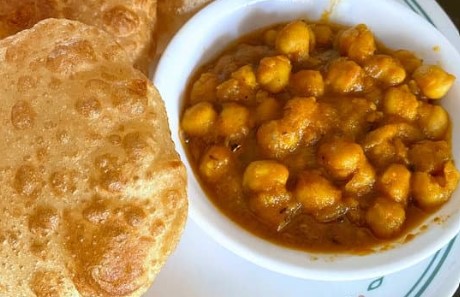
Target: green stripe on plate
<point x="436" y="270"/>
<point x="423" y="12"/>
<point x="423" y="274"/>
<point x="433" y="273"/>
<point x="413" y="4"/>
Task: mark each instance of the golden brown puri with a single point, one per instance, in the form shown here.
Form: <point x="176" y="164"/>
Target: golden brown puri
<point x="172" y="14"/>
<point x="130" y="22"/>
<point x="19" y="15"/>
<point x="93" y="193"/>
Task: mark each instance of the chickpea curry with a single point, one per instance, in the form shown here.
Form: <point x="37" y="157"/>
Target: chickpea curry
<point x="314" y="136"/>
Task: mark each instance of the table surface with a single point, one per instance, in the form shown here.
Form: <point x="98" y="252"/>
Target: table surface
<point x="452" y="8"/>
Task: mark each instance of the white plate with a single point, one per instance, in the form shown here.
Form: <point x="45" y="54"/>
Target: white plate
<point x="201" y="267"/>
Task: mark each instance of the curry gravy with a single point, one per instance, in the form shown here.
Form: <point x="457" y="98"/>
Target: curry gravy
<point x="340" y="101"/>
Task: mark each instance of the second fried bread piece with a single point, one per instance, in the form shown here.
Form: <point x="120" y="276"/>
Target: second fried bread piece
<point x="131" y="23"/>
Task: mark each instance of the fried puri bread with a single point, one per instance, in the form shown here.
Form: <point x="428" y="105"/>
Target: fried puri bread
<point x="93" y="195"/>
<point x="172" y="14"/>
<point x="130" y="22"/>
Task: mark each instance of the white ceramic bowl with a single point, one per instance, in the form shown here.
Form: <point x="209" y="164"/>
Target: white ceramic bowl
<point x="210" y="31"/>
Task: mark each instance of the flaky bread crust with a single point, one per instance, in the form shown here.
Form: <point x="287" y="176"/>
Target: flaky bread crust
<point x="172" y="15"/>
<point x="131" y="23"/>
<point x="93" y="195"/>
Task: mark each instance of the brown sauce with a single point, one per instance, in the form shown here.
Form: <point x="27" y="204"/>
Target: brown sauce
<point x="349" y="223"/>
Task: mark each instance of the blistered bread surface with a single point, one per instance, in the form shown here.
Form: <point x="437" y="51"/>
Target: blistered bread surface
<point x="131" y="23"/>
<point x="172" y="15"/>
<point x="93" y="193"/>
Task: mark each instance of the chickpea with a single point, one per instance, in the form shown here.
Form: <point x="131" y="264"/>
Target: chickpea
<point x="323" y="35"/>
<point x="270" y="37"/>
<point x="299" y="112"/>
<point x="355" y="116"/>
<point x="215" y="162"/>
<point x="325" y="118"/>
<point x="357" y="43"/>
<point x="246" y="76"/>
<point x="276" y="139"/>
<point x="233" y="90"/>
<point x="374" y="95"/>
<point x="274" y="208"/>
<point x="433" y="120"/>
<point x="225" y="65"/>
<point x="312" y="41"/>
<point x="362" y="181"/>
<point x="280" y="137"/>
<point x="433" y="81"/>
<point x="409" y="61"/>
<point x="307" y="83"/>
<point x="265" y="176"/>
<point x="315" y="192"/>
<point x="344" y="76"/>
<point x="305" y="157"/>
<point x="356" y="214"/>
<point x="273" y="73"/>
<point x="414" y="88"/>
<point x="269" y="109"/>
<point x="199" y="119"/>
<point x="394" y="151"/>
<point x="395" y="183"/>
<point x="429" y="156"/>
<point x="386" y="217"/>
<point x="430" y="191"/>
<point x="233" y="120"/>
<point x="340" y="158"/>
<point x="262" y="95"/>
<point x="385" y="69"/>
<point x="386" y="133"/>
<point x="204" y="89"/>
<point x="401" y="102"/>
<point x="293" y="40"/>
<point x="313" y="127"/>
<point x="387" y="144"/>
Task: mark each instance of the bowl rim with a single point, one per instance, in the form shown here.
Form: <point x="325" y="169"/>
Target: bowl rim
<point x="261" y="252"/>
